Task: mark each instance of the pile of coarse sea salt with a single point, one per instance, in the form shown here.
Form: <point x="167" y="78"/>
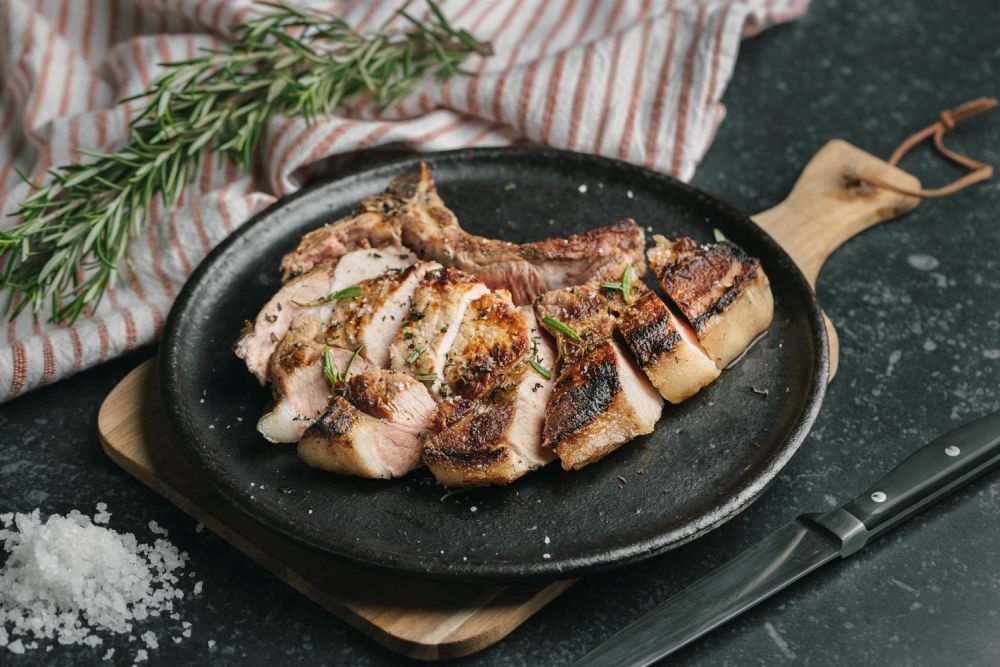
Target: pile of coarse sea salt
<point x="70" y="580"/>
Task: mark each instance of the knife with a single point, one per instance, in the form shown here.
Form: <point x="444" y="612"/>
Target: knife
<point x="806" y="544"/>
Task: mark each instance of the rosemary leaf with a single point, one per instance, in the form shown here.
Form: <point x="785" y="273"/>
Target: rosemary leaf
<point x="351" y="292"/>
<point x="719" y="236"/>
<point x="426" y="377"/>
<point x="541" y="370"/>
<point x="415" y="355"/>
<point x="561" y="328"/>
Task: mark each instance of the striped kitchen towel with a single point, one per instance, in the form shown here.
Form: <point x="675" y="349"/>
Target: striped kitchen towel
<point x="639" y="80"/>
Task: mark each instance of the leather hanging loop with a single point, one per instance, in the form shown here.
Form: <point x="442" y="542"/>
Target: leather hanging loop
<point x="947" y="120"/>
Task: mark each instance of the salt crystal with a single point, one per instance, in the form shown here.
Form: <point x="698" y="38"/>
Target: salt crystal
<point x="200" y="527"/>
<point x="473" y="508"/>
<point x="66" y="579"/>
<point x="157" y="529"/>
<point x="150" y="639"/>
<point x="141" y="655"/>
<point x="629" y="194"/>
<point x="546" y="556"/>
<point x="197" y="587"/>
<point x="211" y="644"/>
<point x="110" y="654"/>
<point x="547" y="540"/>
<point x="582" y="189"/>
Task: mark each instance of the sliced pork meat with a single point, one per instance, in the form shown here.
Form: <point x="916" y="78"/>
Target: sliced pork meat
<point x="432" y="324"/>
<point x="374" y="315"/>
<point x="259" y="338"/>
<point x="411" y="212"/>
<point x="374" y="429"/>
<point x="377" y="222"/>
<point x="301" y="390"/>
<point x="492" y="340"/>
<point x="529" y="269"/>
<point x="497" y="439"/>
<point x="722" y="291"/>
<point x="664" y="346"/>
<point x="599" y="403"/>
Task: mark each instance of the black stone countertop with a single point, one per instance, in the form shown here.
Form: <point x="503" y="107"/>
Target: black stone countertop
<point x="916" y="304"/>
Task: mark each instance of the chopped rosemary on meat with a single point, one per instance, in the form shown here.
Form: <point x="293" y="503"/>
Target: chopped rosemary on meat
<point x="624" y="285"/>
<point x="415" y="355"/>
<point x="541" y="370"/>
<point x="351" y="292"/>
<point x="333" y="376"/>
<point x="426" y="377"/>
<point x="719" y="236"/>
<point x="561" y="328"/>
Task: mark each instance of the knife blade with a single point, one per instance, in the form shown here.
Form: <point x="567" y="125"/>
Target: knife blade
<point x="804" y="545"/>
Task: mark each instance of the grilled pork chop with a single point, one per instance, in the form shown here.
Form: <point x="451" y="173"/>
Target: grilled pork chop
<point x="432" y="324"/>
<point x="497" y="439"/>
<point x="373" y="318"/>
<point x="492" y="340"/>
<point x="664" y="346"/>
<point x="373" y="430"/>
<point x="259" y="339"/>
<point x="301" y="391"/>
<point x="722" y="291"/>
<point x="410" y="211"/>
<point x="600" y="401"/>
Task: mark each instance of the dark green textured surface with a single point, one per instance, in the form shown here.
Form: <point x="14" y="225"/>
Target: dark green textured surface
<point x="917" y="309"/>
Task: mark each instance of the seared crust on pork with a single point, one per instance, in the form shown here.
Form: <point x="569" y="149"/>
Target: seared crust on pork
<point x="491" y="341"/>
<point x="599" y="402"/>
<point x="496" y="439"/>
<point x="412" y="213"/>
<point x="373" y="429"/>
<point x="664" y="347"/>
<point x="722" y="291"/>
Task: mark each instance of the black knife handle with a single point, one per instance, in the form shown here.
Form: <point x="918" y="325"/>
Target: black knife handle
<point x="930" y="473"/>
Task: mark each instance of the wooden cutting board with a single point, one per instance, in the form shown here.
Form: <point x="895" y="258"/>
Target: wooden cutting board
<point x="433" y="620"/>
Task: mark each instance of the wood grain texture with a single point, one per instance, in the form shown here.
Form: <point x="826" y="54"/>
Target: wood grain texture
<point x="421" y="619"/>
<point x="830" y="203"/>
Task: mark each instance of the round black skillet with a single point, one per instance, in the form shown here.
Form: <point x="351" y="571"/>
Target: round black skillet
<point x="708" y="459"/>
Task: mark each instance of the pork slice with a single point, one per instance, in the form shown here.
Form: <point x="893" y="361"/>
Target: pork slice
<point x="722" y="292"/>
<point x="259" y="338"/>
<point x="664" y="346"/>
<point x="492" y="340"/>
<point x="373" y="318"/>
<point x="377" y="222"/>
<point x="432" y="324"/>
<point x="598" y="403"/>
<point x="530" y="269"/>
<point x="411" y="212"/>
<point x="498" y="439"/>
<point x="373" y="430"/>
<point x="301" y="390"/>
<point x="587" y="310"/>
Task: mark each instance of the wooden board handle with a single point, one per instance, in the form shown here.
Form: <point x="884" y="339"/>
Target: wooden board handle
<point x="830" y="203"/>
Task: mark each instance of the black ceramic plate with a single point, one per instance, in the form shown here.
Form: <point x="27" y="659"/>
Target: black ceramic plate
<point x="708" y="458"/>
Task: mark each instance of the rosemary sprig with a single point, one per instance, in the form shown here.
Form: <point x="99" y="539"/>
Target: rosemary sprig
<point x="333" y="376"/>
<point x="624" y="285"/>
<point x="565" y="330"/>
<point x="415" y="355"/>
<point x="72" y="238"/>
<point x="351" y="292"/>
